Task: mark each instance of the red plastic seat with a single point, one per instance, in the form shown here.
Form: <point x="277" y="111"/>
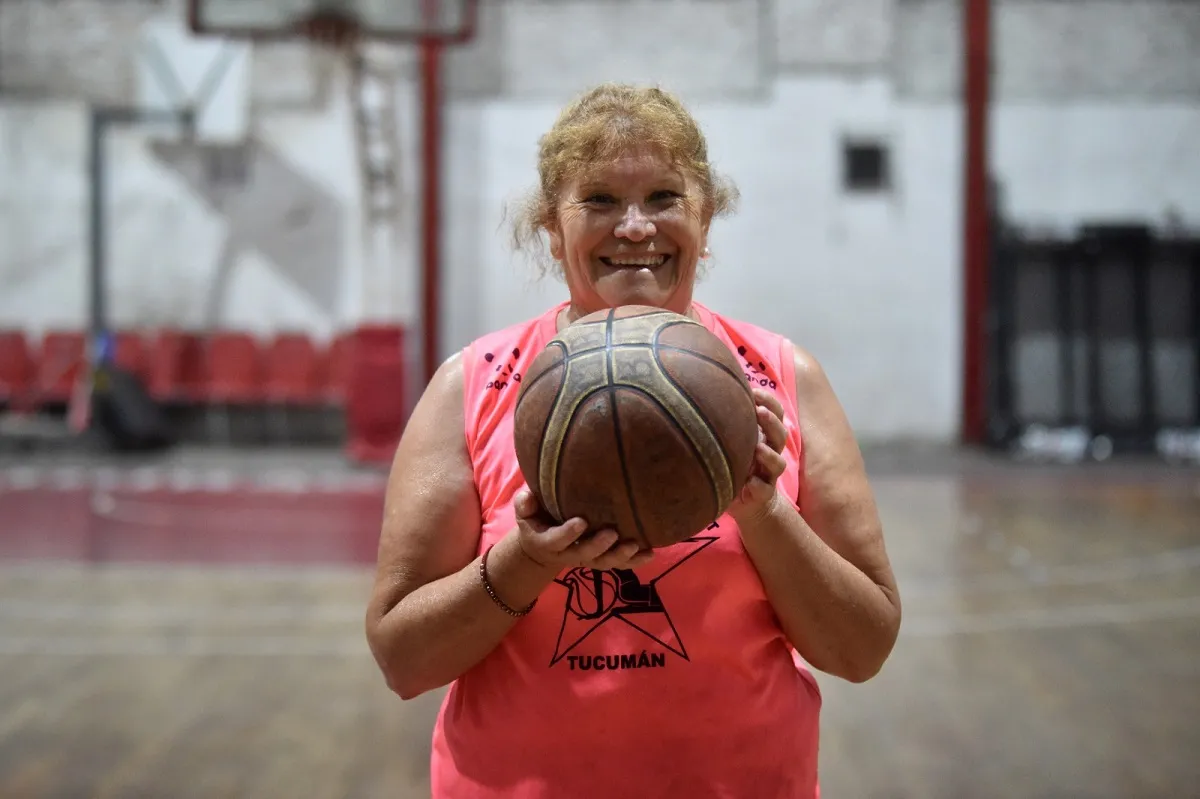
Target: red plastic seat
<point x="16" y="367"/>
<point x="60" y="361"/>
<point x="131" y="354"/>
<point x="234" y="374"/>
<point x="293" y="373"/>
<point x="337" y="368"/>
<point x="375" y="404"/>
<point x="175" y="367"/>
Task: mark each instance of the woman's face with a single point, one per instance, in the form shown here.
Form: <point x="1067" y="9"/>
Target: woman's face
<point x="631" y="233"/>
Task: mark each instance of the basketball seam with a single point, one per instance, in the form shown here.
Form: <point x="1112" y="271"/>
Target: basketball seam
<point x="604" y="321"/>
<point x="712" y="478"/>
<point x="676" y="323"/>
<point x="521" y="395"/>
<point x="654" y="348"/>
<point x="620" y="442"/>
<point x="567" y="357"/>
<point x="701" y="356"/>
<point x="666" y="412"/>
<point x="665" y="347"/>
<point x="546" y="427"/>
<point x="557" y="463"/>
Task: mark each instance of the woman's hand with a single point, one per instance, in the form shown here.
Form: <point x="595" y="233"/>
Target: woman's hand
<point x="560" y="546"/>
<point x="758" y="494"/>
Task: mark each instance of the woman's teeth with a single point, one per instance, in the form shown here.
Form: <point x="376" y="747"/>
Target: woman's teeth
<point x="639" y="260"/>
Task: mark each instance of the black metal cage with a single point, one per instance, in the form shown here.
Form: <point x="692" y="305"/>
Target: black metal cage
<point x="1097" y="330"/>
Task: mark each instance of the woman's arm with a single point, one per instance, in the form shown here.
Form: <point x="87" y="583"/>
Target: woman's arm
<point x="825" y="569"/>
<point x="429" y="618"/>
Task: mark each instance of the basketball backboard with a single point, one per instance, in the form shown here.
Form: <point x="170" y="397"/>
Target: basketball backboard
<point x="447" y="21"/>
<point x="209" y="78"/>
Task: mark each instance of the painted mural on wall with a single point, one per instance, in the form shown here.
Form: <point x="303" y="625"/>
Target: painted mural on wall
<point x="268" y="206"/>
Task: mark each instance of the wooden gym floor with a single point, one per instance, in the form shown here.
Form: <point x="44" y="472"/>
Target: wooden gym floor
<point x="193" y="628"/>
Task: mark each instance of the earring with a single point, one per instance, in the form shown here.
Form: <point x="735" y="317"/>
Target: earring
<point x="706" y="253"/>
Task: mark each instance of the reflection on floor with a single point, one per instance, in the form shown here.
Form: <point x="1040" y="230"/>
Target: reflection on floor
<point x="194" y="629"/>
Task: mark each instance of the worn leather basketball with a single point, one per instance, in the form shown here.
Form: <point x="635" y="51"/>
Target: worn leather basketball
<point x="639" y="420"/>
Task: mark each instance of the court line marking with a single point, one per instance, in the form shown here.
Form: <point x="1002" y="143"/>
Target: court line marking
<point x="188" y="479"/>
<point x="129" y="613"/>
<point x="192" y="646"/>
<point x="74" y="570"/>
<point x="165" y="513"/>
<point x="1059" y="618"/>
<point x="1036" y="576"/>
<point x="310" y="645"/>
<point x="912" y="586"/>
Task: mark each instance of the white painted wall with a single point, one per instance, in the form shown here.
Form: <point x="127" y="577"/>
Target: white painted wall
<point x="163" y="243"/>
<point x="870" y="285"/>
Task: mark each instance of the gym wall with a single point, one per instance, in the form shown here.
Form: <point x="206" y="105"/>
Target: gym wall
<point x="1097" y="114"/>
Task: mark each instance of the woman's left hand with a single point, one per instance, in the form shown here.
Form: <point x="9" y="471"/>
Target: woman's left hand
<point x="758" y="494"/>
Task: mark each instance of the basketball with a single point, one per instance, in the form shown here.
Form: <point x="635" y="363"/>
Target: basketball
<point x="639" y="420"/>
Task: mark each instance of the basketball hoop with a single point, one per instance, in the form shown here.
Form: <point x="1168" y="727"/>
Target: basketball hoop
<point x="348" y="26"/>
<point x="332" y="29"/>
<point x="336" y="22"/>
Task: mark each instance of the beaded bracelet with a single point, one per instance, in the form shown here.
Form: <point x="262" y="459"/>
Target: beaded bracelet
<point x="487" y="586"/>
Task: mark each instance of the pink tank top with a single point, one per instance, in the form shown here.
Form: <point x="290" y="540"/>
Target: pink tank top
<point x="671" y="680"/>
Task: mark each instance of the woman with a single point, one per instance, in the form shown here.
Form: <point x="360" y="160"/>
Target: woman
<point x="581" y="667"/>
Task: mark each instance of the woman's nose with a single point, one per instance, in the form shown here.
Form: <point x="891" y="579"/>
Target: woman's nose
<point x="635" y="225"/>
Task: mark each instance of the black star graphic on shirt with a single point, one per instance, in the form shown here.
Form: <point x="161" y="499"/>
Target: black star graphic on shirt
<point x="595" y="598"/>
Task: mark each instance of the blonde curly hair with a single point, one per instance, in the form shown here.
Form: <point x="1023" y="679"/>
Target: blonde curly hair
<point x="598" y="126"/>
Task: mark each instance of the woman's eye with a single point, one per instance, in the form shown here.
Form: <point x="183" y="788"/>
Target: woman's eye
<point x="662" y="196"/>
<point x="599" y="199"/>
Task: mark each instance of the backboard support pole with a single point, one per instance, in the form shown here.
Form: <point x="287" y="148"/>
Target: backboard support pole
<point x="431" y="205"/>
<point x="976" y="44"/>
<point x="100" y="350"/>
<point x="102" y="120"/>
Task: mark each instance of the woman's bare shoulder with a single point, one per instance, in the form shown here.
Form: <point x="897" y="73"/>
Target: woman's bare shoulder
<point x="431" y="517"/>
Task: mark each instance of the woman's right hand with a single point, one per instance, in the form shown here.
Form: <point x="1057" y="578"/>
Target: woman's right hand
<point x="558" y="546"/>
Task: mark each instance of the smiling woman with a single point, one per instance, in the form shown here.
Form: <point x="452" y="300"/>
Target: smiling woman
<point x="579" y="664"/>
<point x="625" y="179"/>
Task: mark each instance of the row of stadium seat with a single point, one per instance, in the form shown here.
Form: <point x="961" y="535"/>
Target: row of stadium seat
<point x="181" y="368"/>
